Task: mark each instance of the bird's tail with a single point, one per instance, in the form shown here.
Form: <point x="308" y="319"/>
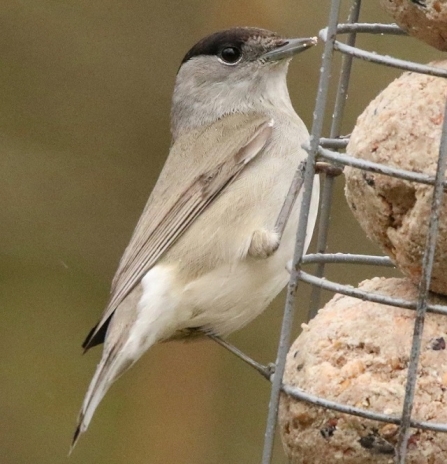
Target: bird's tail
<point x="109" y="369"/>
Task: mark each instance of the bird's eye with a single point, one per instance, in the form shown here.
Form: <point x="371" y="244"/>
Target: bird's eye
<point x="230" y="55"/>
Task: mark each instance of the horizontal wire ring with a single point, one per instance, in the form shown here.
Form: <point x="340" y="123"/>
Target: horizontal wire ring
<point x="300" y="395"/>
<point x="385" y="29"/>
<point x="378" y="168"/>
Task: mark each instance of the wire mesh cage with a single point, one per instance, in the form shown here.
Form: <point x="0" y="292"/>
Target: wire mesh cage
<point x="341" y="38"/>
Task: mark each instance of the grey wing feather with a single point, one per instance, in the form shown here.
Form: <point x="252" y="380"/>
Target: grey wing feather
<point x="172" y="208"/>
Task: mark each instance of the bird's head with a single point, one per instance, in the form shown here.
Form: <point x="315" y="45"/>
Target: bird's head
<point x="236" y="70"/>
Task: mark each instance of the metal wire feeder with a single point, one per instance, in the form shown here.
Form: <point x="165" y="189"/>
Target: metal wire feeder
<point x="327" y="150"/>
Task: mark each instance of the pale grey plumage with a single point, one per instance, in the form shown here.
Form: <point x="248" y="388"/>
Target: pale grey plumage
<point x="173" y="206"/>
<point x="205" y="253"/>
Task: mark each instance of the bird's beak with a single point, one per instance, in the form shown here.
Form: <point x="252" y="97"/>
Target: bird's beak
<point x="289" y="48"/>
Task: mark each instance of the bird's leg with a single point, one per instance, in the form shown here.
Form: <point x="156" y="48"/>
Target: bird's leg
<point x="266" y="371"/>
<point x="292" y="195"/>
<point x="264" y="242"/>
<point x="295" y="188"/>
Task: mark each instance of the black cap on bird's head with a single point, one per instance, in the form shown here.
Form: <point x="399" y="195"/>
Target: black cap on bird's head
<point x="232" y="46"/>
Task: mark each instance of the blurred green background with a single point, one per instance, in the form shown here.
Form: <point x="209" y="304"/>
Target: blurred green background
<point x="85" y="92"/>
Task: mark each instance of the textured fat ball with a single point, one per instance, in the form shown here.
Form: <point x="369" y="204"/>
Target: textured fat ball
<point x="356" y="353"/>
<point x="423" y="19"/>
<point x="401" y="128"/>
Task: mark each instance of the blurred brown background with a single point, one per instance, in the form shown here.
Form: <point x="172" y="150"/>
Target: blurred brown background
<point x="85" y="92"/>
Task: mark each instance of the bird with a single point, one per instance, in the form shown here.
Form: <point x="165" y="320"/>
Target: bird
<point x="205" y="256"/>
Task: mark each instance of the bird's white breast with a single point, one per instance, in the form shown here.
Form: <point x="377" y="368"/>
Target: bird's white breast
<point x="238" y="288"/>
<point x="232" y="295"/>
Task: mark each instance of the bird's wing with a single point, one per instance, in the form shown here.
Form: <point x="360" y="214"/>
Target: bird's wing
<point x="199" y="168"/>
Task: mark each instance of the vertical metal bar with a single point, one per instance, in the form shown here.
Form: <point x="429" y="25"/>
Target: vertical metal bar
<point x="427" y="265"/>
<point x="309" y="174"/>
<point x="323" y="230"/>
<point x="343" y="84"/>
<point x="328" y="187"/>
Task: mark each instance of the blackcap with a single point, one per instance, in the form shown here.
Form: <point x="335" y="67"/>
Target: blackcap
<point x="205" y="257"/>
